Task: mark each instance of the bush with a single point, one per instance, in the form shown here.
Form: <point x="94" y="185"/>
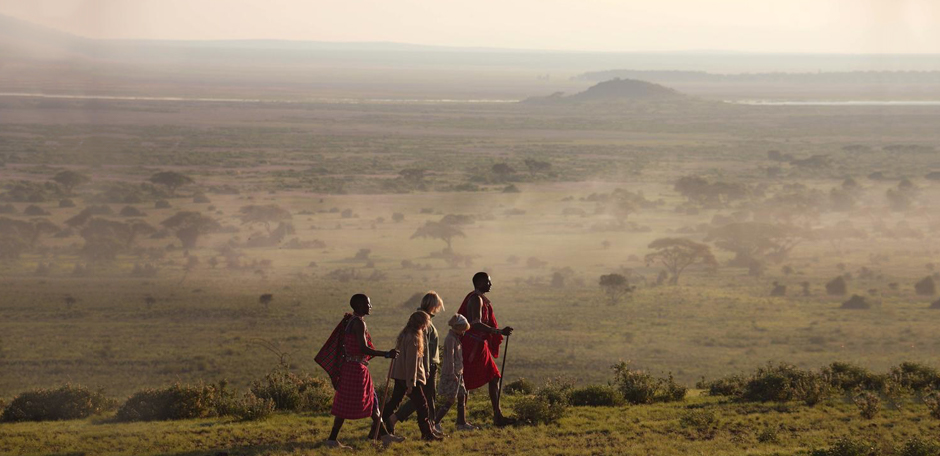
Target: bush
<point x="66" y="203"/>
<point x="177" y="402"/>
<point x="64" y="403"/>
<point x="847" y="446"/>
<point x="916" y="376"/>
<point x="932" y="401"/>
<point x="290" y="391"/>
<point x="638" y="387"/>
<point x="703" y="422"/>
<point x="868" y="403"/>
<point x="918" y="447"/>
<point x="849" y="377"/>
<point x="780" y="383"/>
<point x="926" y="287"/>
<point x="731" y="386"/>
<point x="161" y="204"/>
<point x="596" y="396"/>
<point x="251" y="408"/>
<point x="837" y="287"/>
<point x="856" y="302"/>
<point x="548" y="405"/>
<point x="520" y="386"/>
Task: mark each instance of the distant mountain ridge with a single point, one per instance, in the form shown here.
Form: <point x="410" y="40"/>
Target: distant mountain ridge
<point x="616" y="91"/>
<point x="678" y="76"/>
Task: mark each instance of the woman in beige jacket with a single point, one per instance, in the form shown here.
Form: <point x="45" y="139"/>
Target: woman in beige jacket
<point x="410" y="375"/>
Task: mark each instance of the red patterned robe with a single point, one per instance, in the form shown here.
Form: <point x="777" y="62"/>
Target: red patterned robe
<point x="480" y="349"/>
<point x="355" y="395"/>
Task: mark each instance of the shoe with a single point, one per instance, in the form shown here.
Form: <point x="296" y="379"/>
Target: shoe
<point x="467" y="427"/>
<point x="389" y="439"/>
<point x="437" y="428"/>
<point x="504" y="421"/>
<point x="432" y="438"/>
<point x="336" y="444"/>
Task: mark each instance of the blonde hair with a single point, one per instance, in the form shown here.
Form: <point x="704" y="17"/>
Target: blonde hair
<point x="432" y="303"/>
<point x="413" y="331"/>
<point x="453" y="324"/>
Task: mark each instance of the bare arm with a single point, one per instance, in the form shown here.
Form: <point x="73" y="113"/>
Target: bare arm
<point x="359" y="329"/>
<point x="475" y="311"/>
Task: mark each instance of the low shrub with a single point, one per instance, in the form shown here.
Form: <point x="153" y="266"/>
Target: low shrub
<point x="769" y="435"/>
<point x="704" y="423"/>
<point x="731" y="386"/>
<point x="64" y="403"/>
<point x="868" y="403"/>
<point x="932" y="401"/>
<point x="548" y="405"/>
<point x="596" y="396"/>
<point x="290" y="391"/>
<point x="812" y="390"/>
<point x="847" y="446"/>
<point x="849" y="377"/>
<point x="774" y="383"/>
<point x="639" y="387"/>
<point x="251" y="408"/>
<point x="837" y="287"/>
<point x="918" y="447"/>
<point x="520" y="386"/>
<point x="856" y="302"/>
<point x="916" y="376"/>
<point x="176" y="402"/>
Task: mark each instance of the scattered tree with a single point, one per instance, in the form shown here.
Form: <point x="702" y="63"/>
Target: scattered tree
<point x="189" y="226"/>
<point x="837" y="287"/>
<point x="70" y="179"/>
<point x="677" y="254"/>
<point x="438" y="230"/>
<point x="615" y="286"/>
<point x="171" y="180"/>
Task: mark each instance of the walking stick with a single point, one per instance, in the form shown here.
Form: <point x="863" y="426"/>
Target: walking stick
<point x="388" y="379"/>
<point x="499" y="396"/>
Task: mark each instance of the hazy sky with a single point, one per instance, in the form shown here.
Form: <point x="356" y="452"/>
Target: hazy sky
<point x="849" y="26"/>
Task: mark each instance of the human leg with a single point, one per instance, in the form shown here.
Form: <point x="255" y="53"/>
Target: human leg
<point x="388" y="414"/>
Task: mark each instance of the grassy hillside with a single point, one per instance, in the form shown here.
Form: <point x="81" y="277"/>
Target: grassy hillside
<point x="700" y="425"/>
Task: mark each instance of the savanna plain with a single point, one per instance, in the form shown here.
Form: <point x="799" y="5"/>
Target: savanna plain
<point x="685" y="276"/>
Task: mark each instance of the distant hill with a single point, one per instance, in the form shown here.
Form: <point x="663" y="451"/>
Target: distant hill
<point x="615" y="91"/>
<point x="836" y="77"/>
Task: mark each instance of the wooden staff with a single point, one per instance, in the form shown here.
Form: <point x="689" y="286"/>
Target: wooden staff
<point x="388" y="380"/>
<point x="502" y="373"/>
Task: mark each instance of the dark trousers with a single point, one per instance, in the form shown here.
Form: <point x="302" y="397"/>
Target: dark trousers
<point x="417" y="398"/>
<point x="430" y="392"/>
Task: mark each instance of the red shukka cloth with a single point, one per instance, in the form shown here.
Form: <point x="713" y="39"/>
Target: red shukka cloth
<point x="480" y="349"/>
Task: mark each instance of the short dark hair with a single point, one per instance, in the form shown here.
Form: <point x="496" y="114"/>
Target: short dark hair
<point x="480" y="278"/>
<point x="358" y="299"/>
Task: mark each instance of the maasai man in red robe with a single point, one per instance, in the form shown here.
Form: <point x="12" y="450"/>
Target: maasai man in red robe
<point x="355" y="394"/>
<point x="481" y="344"/>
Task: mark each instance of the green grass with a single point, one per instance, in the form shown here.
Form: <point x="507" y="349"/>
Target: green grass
<point x="662" y="429"/>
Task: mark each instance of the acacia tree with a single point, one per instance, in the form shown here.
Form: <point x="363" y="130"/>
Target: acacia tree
<point x="437" y="230"/>
<point x="677" y="254"/>
<point x="188" y="226"/>
<point x="264" y="215"/>
<point x="615" y="286"/>
<point x="756" y="241"/>
<point x="70" y="179"/>
<point x="171" y="180"/>
<point x="18" y="236"/>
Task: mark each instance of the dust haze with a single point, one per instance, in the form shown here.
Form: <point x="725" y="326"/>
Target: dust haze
<point x="192" y="210"/>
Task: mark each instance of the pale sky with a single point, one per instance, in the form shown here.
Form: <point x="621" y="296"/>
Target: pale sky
<point x="842" y="26"/>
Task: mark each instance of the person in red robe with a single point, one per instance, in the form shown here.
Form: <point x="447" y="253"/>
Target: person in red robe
<point x="481" y="344"/>
<point x="355" y="394"/>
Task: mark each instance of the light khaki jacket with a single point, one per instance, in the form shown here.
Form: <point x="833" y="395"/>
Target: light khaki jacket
<point x="409" y="366"/>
